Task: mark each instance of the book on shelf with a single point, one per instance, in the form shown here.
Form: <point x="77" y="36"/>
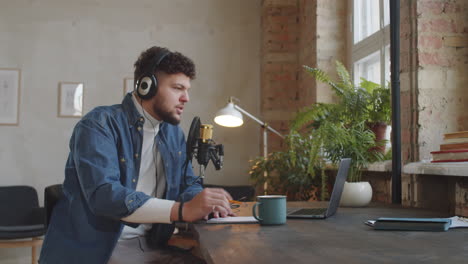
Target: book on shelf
<point x="459" y="134"/>
<point x="418" y="224"/>
<point x="454" y="146"/>
<point x="455" y="140"/>
<point x="457" y="155"/>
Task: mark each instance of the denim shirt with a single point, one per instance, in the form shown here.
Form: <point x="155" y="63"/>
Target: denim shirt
<point x="101" y="175"/>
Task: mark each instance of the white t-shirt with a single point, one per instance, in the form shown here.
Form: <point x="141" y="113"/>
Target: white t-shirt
<point x="151" y="181"/>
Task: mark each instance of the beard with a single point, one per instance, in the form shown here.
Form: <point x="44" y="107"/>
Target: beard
<point x="166" y="116"/>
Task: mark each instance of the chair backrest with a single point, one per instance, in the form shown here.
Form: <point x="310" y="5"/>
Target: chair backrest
<point x="52" y="194"/>
<point x="17" y="203"/>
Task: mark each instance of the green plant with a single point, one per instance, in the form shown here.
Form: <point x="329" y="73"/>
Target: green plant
<point x="379" y="105"/>
<point x="326" y="132"/>
<point x="291" y="171"/>
<point x="340" y="129"/>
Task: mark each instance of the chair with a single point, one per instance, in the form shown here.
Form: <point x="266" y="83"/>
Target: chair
<point x="247" y="192"/>
<point x="21" y="218"/>
<point x="52" y="194"/>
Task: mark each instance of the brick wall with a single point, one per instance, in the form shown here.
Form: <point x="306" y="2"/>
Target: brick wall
<point x="461" y="197"/>
<point x="408" y="82"/>
<point x="307" y="51"/>
<point x="434" y="101"/>
<point x="381" y="185"/>
<point x="331" y="42"/>
<point x="279" y="87"/>
<point x="442" y="28"/>
<point x="433" y="78"/>
<point x="434" y="60"/>
<point x="292" y="37"/>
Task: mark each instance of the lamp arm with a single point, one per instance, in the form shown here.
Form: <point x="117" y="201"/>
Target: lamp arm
<point x="265" y="125"/>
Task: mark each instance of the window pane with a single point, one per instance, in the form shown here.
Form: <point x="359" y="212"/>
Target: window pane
<point x="387" y="84"/>
<point x="368" y="68"/>
<point x="366" y="18"/>
<point x="387" y="64"/>
<point x="388" y="136"/>
<point x="386" y="12"/>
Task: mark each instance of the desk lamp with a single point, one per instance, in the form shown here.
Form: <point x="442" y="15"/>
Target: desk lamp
<point x="231" y="116"/>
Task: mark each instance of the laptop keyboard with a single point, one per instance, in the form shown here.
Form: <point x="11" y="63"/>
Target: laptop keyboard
<point x="310" y="211"/>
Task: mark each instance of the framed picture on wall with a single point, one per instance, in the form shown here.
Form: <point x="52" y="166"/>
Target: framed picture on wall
<point x="10" y="80"/>
<point x="128" y="85"/>
<point x="70" y="99"/>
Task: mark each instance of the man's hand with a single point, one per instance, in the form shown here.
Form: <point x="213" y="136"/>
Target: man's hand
<point x="210" y="200"/>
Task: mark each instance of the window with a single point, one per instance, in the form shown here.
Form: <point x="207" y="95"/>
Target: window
<point x="370" y="51"/>
<point x="371" y="41"/>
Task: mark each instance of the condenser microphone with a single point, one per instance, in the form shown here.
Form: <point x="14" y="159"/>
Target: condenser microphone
<point x="206" y="132"/>
<point x="207" y="148"/>
<point x="201" y="146"/>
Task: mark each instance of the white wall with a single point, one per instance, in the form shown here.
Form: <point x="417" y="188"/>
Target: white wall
<point x="97" y="42"/>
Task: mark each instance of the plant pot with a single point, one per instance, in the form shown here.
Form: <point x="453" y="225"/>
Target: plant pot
<point x="379" y="129"/>
<point x="356" y="194"/>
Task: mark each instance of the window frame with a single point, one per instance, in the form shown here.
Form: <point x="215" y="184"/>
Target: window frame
<point x="379" y="41"/>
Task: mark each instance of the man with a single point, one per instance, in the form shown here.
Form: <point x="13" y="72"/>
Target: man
<point x="125" y="168"/>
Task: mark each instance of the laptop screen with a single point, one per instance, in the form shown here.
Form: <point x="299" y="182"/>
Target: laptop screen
<point x="338" y="187"/>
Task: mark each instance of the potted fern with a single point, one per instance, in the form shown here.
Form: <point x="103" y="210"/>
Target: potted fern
<point x="342" y="130"/>
<point x="379" y="110"/>
<point x="324" y="133"/>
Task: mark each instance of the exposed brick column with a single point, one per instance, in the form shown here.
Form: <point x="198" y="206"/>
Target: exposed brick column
<point x="307" y="51"/>
<point x="434" y="101"/>
<point x="279" y="69"/>
<point x="409" y="82"/>
<point x="292" y="37"/>
<point x="442" y="71"/>
<point x="331" y="41"/>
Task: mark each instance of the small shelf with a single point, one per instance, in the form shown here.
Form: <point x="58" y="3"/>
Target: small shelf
<point x="383" y="166"/>
<point x="424" y="167"/>
<point x="442" y="168"/>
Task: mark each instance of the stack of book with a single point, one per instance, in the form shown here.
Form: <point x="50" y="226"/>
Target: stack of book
<point x="453" y="149"/>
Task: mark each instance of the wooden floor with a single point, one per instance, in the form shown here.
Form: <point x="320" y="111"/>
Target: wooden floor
<point x="184" y="239"/>
<point x="15" y="255"/>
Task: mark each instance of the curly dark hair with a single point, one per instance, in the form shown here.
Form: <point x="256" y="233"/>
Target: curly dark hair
<point x="172" y="63"/>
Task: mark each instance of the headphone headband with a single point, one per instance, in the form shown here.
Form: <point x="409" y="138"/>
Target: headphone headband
<point x="159" y="57"/>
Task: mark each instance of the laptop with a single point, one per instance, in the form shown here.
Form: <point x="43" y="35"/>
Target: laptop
<point x="322" y="213"/>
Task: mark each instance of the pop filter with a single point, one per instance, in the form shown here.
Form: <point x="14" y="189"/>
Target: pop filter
<point x="192" y="139"/>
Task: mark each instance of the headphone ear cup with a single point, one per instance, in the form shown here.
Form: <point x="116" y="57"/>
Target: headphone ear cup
<point x="146" y="87"/>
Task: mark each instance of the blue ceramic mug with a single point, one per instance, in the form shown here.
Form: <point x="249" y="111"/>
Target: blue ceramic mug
<point x="271" y="209"/>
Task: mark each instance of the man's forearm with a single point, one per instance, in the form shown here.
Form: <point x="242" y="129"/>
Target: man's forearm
<point x="152" y="211"/>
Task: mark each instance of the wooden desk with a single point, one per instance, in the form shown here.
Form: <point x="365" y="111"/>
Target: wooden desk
<point x="342" y="238"/>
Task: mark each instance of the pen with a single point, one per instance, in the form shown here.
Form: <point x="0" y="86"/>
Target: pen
<point x="235" y="202"/>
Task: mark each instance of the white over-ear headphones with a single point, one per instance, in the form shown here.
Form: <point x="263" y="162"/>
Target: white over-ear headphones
<point x="147" y="84"/>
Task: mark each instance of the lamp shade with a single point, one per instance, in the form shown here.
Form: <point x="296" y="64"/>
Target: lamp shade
<point x="229" y="117"/>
